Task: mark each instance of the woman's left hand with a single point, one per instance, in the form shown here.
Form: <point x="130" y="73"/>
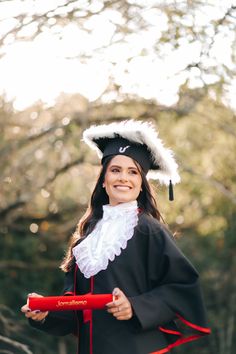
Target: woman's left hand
<point x="120" y="308"/>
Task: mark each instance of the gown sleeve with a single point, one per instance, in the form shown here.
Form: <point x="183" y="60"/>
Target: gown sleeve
<point x="60" y="323"/>
<point x="174" y="302"/>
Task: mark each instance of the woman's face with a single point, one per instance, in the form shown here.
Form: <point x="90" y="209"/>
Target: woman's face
<point x="122" y="180"/>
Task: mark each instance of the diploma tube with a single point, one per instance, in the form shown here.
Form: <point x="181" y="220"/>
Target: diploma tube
<point x="71" y="302"/>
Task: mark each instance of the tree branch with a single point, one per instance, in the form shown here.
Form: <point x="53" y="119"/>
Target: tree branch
<point x="220" y="186"/>
<point x="24" y="266"/>
<point x="16" y="344"/>
<point x="22" y="201"/>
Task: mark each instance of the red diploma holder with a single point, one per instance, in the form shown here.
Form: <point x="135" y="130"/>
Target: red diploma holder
<point x="74" y="302"/>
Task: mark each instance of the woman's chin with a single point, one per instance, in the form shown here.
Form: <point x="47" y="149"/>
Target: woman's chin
<point x="121" y="200"/>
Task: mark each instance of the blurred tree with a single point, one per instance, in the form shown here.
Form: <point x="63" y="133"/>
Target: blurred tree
<point x="191" y="31"/>
<point x="47" y="174"/>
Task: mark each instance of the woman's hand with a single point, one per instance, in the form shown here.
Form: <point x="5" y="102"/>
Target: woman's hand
<point x="120" y="308"/>
<point x="34" y="315"/>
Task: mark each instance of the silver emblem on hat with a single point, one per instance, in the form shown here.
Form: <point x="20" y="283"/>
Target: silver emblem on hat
<point x="122" y="149"/>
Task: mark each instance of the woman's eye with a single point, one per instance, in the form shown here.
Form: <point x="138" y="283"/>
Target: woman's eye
<point x="131" y="172"/>
<point x="114" y="170"/>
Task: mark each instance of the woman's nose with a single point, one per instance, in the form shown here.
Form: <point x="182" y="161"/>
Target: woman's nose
<point x="123" y="176"/>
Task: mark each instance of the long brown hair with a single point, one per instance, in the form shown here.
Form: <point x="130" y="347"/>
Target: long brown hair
<point x="99" y="197"/>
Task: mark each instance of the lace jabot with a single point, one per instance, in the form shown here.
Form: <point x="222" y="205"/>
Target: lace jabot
<point x="108" y="238"/>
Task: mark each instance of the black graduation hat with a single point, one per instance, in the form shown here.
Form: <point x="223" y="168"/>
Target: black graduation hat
<point x="138" y="140"/>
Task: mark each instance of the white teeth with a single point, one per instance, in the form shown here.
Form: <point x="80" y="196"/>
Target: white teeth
<point x="122" y="187"/>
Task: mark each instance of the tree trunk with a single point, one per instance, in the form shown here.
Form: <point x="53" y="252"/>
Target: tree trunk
<point x="62" y="346"/>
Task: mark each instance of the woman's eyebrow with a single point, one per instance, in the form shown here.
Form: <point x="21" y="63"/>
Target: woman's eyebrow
<point x="131" y="167"/>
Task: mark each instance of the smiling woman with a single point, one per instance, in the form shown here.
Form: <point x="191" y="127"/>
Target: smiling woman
<point x="121" y="247"/>
<point x="122" y="180"/>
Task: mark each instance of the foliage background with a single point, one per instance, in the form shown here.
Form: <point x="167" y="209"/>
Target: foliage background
<point x="47" y="173"/>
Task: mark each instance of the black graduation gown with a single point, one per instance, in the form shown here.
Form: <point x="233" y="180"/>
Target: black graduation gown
<point x="162" y="286"/>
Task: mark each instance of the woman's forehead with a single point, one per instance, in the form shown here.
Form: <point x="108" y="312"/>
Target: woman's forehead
<point x="123" y="161"/>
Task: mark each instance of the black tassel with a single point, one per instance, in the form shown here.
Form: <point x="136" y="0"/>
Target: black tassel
<point x="171" y="191"/>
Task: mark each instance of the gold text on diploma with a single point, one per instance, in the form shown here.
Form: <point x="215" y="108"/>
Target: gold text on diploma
<point x="71" y="303"/>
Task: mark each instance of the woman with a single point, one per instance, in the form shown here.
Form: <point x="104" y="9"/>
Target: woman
<point x="120" y="246"/>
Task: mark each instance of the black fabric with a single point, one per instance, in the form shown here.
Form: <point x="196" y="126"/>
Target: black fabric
<point x="58" y="323"/>
<point x="161" y="284"/>
<point x="121" y="146"/>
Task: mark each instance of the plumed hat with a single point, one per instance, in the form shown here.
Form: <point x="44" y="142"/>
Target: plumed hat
<point x="138" y="140"/>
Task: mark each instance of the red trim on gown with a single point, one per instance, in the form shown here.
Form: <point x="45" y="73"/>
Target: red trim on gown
<point x="202" y="331"/>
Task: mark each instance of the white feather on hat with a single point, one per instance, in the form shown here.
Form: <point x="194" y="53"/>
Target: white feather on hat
<point x="142" y="133"/>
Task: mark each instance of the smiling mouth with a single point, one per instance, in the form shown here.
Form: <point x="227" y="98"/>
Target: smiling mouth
<point x="123" y="188"/>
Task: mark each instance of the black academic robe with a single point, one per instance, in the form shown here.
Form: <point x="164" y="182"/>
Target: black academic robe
<point x="162" y="286"/>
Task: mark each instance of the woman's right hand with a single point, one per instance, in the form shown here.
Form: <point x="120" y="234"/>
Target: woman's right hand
<point x="34" y="315"/>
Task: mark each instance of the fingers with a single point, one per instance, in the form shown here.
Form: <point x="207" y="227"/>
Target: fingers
<point x="36" y="315"/>
<point x="25" y="308"/>
<point x="121" y="313"/>
<point x="120" y="308"/>
<point x="118" y="300"/>
<point x="117" y="292"/>
<point x="35" y="295"/>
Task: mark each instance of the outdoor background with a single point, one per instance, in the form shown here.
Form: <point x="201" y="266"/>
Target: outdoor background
<point x="67" y="64"/>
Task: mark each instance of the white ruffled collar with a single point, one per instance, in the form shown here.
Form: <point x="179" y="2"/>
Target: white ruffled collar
<point x="108" y="238"/>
